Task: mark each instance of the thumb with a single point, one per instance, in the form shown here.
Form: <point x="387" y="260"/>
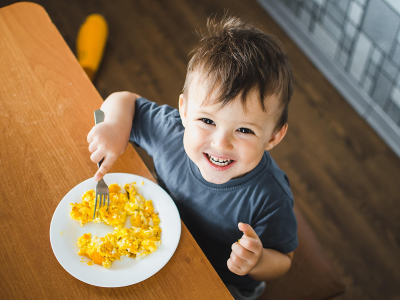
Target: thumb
<point x="106" y="165"/>
<point x="247" y="230"/>
<point x="98" y="176"/>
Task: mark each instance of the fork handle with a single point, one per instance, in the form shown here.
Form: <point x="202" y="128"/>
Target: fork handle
<point x="98" y="118"/>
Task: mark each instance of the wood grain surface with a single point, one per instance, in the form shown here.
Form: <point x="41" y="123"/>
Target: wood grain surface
<point x="46" y="109"/>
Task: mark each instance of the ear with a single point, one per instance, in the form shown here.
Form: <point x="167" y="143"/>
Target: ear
<point x="182" y="109"/>
<point x="277" y="137"/>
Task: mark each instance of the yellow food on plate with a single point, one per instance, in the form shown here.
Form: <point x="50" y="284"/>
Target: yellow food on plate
<point x="143" y="238"/>
<point x="102" y="251"/>
<point x="114" y="216"/>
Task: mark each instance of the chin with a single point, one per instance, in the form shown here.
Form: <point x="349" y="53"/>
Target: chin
<point x="214" y="179"/>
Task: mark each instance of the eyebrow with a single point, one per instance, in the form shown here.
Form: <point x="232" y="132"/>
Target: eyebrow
<point x="252" y="124"/>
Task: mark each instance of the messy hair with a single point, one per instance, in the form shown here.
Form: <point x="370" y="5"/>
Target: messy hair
<point x="238" y="59"/>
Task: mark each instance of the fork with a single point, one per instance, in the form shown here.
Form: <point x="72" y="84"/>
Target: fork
<point x="102" y="191"/>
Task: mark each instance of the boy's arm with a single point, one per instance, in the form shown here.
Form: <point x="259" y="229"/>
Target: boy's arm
<point x="273" y="264"/>
<point x="110" y="138"/>
<point x="248" y="257"/>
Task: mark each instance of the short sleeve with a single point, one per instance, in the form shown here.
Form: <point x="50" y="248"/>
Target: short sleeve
<point x="149" y="124"/>
<point x="278" y="229"/>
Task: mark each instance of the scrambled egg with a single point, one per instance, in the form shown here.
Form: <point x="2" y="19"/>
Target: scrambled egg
<point x="143" y="238"/>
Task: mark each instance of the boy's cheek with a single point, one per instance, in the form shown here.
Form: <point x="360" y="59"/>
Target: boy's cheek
<point x="196" y="135"/>
<point x="192" y="142"/>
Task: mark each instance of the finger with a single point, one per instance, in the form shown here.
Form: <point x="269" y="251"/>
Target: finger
<point x="92" y="147"/>
<point x="90" y="135"/>
<point x="233" y="268"/>
<point x="97" y="155"/>
<point x="237" y="261"/>
<point x="251" y="244"/>
<point x="241" y="252"/>
<point x="98" y="176"/>
<point x="105" y="167"/>
<point x="248" y="230"/>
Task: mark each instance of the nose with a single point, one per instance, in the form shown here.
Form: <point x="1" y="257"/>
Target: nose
<point x="222" y="142"/>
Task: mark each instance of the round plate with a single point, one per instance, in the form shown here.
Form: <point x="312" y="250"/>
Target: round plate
<point x="64" y="234"/>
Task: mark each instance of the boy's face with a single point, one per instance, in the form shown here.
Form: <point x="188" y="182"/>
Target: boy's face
<point x="227" y="142"/>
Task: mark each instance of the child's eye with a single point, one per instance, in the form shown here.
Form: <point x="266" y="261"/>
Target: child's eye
<point x="208" y="121"/>
<point x="245" y="130"/>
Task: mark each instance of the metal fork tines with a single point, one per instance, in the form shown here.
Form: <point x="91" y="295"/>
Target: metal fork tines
<point x="102" y="194"/>
<point x="102" y="191"/>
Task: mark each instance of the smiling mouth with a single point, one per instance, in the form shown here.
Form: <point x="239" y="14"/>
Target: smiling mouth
<point x="218" y="161"/>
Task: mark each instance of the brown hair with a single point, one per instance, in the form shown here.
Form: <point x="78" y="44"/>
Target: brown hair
<point x="238" y="58"/>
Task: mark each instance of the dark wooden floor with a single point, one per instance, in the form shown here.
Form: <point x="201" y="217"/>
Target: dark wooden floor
<point x="344" y="178"/>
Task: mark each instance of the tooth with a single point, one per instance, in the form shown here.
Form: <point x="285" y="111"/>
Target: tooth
<point x="218" y="161"/>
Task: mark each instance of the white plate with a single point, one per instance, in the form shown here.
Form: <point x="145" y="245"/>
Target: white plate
<point x="64" y="234"/>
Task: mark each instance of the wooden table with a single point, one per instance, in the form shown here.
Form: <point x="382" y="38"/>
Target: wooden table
<point x="46" y="111"/>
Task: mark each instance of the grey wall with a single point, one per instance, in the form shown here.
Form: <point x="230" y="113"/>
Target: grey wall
<point x="356" y="44"/>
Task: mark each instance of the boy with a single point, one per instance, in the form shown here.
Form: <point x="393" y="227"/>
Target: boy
<point x="211" y="156"/>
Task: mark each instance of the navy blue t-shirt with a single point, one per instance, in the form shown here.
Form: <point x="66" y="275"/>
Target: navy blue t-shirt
<point x="211" y="212"/>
